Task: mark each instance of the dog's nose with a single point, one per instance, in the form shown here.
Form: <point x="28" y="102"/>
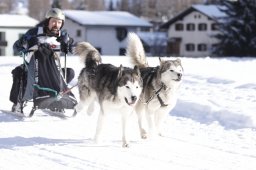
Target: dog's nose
<point x="179" y="75"/>
<point x="134" y="98"/>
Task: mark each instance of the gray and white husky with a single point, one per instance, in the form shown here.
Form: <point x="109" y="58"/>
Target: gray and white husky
<point x="113" y="87"/>
<point x="160" y="86"/>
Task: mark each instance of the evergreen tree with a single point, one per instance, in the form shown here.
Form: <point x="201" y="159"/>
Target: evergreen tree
<point x="237" y="35"/>
<point x="111" y="6"/>
<point x="56" y="4"/>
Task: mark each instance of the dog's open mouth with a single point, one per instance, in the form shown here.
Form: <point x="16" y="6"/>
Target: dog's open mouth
<point x="131" y="103"/>
<point x="178" y="79"/>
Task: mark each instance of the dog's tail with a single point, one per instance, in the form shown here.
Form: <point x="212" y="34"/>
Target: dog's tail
<point x="88" y="54"/>
<point x="136" y="51"/>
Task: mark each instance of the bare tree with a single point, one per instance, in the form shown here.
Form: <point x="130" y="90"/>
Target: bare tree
<point x="96" y="5"/>
<point x="166" y="9"/>
<point x="124" y="5"/>
<point x="38" y="8"/>
<point x="90" y="5"/>
<point x="137" y="7"/>
<point x="149" y="8"/>
<point x="79" y="4"/>
<point x="62" y="4"/>
<point x="6" y="6"/>
<point x="66" y="4"/>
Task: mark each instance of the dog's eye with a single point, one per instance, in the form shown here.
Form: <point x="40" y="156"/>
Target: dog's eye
<point x="171" y="70"/>
<point x="127" y="87"/>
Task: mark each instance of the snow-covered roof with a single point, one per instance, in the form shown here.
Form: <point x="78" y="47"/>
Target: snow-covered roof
<point x="212" y="11"/>
<point x="12" y="20"/>
<point x="105" y="18"/>
<point x="153" y="38"/>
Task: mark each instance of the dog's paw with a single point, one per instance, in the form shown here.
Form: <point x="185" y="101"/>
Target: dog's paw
<point x="161" y="134"/>
<point x="126" y="145"/>
<point x="96" y="140"/>
<point x="78" y="108"/>
<point x="90" y="109"/>
<point x="143" y="134"/>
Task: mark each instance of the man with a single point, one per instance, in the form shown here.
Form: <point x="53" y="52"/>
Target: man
<point x="40" y="42"/>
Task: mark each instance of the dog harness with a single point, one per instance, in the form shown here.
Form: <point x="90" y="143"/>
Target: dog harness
<point x="158" y="96"/>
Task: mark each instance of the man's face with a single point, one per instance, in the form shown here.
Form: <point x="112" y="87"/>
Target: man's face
<point x="55" y="25"/>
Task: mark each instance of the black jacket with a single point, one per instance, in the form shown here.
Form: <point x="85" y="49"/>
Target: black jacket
<point x="30" y="38"/>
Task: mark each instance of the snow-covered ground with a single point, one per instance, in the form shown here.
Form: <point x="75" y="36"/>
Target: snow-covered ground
<point x="213" y="126"/>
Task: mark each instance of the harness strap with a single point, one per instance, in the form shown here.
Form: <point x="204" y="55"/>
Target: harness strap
<point x="158" y="97"/>
<point x="161" y="101"/>
<point x="68" y="90"/>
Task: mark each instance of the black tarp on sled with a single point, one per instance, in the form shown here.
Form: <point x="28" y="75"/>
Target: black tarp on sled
<point x="45" y="84"/>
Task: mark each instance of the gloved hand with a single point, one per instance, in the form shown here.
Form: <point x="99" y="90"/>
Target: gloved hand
<point x="67" y="46"/>
<point x="66" y="42"/>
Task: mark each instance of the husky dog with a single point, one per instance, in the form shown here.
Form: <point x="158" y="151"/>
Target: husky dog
<point x="160" y="86"/>
<point x="113" y="87"/>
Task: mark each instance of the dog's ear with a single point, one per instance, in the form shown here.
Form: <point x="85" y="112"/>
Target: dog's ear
<point x="120" y="71"/>
<point x="178" y="60"/>
<point x="160" y="60"/>
<point x="137" y="70"/>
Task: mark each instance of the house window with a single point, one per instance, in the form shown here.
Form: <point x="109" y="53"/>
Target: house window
<point x="202" y="27"/>
<point x="197" y="16"/>
<point x="179" y="27"/>
<point x="2" y="36"/>
<point x="99" y="49"/>
<point x="121" y="33"/>
<point x="122" y="51"/>
<point x="190" y="27"/>
<point x="214" y="26"/>
<point x="3" y="42"/>
<point x="214" y="47"/>
<point x="190" y="47"/>
<point x="78" y="33"/>
<point x="144" y="29"/>
<point x="2" y="52"/>
<point x="201" y="47"/>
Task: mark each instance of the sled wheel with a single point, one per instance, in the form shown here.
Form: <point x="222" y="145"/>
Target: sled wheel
<point x="32" y="112"/>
